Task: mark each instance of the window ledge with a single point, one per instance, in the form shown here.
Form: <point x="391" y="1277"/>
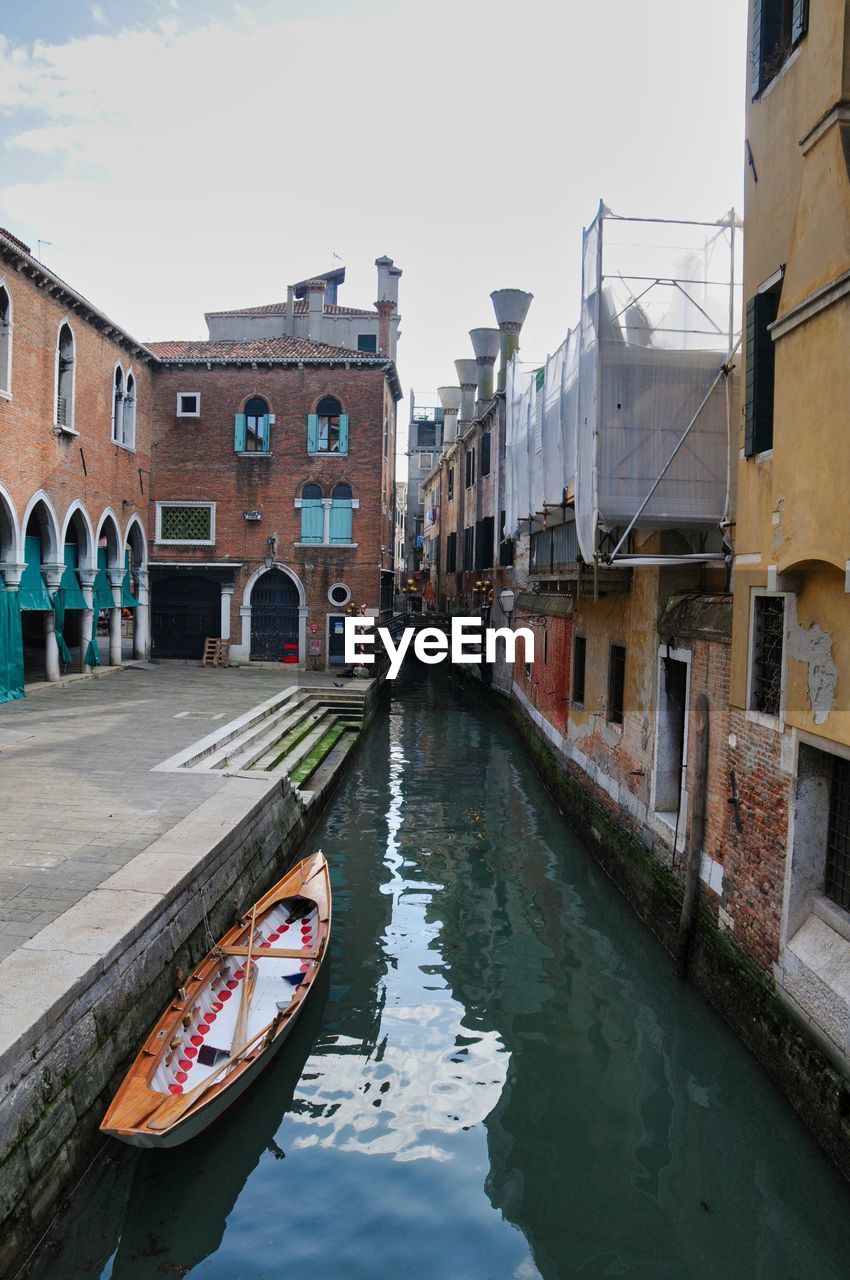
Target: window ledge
<point x="59" y="430"/>
<point x="831" y="914"/>
<point x="5" y="395"/>
<point x="327" y="546"/>
<point x="128" y="448"/>
<point x="776" y="723"/>
<point x="182" y="542"/>
<point x="253" y="453"/>
<point x="320" y="454"/>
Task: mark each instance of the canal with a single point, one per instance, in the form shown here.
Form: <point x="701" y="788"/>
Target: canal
<point x="500" y="1077"/>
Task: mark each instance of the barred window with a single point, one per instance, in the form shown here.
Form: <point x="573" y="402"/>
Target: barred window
<point x="837" y="879"/>
<point x="768" y="634"/>
<point x="186" y="523"/>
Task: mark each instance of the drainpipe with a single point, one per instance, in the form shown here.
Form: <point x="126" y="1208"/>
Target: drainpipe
<point x="511" y="308"/>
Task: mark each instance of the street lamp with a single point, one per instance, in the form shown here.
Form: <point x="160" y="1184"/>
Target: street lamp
<point x="506" y="600"/>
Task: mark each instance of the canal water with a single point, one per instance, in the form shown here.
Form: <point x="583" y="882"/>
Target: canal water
<point x="500" y="1079"/>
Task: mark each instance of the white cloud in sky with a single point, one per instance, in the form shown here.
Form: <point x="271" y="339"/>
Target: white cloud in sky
<point x="180" y="169"/>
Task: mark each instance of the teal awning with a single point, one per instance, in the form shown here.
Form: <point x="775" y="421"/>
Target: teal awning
<point x="33" y="593"/>
<point x="72" y="596"/>
<point x="11" y="647"/>
<point x="103" y="598"/>
<point x="128" y="600"/>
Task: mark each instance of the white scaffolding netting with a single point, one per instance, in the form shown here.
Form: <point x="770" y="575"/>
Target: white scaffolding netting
<point x="660" y="315"/>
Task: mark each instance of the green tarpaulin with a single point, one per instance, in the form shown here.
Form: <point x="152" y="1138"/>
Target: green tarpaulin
<point x="72" y="596"/>
<point x="59" y="628"/>
<point x="92" y="655"/>
<point x="11" y="648"/>
<point x="128" y="600"/>
<point x="33" y="593"/>
<point x="103" y="598"/>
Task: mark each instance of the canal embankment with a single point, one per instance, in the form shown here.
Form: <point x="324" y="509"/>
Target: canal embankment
<point x="786" y="1045"/>
<point x="140" y="811"/>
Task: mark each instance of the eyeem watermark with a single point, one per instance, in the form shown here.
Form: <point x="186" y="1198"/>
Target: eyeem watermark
<point x="431" y="645"/>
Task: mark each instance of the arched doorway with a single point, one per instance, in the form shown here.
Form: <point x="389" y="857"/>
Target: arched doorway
<point x="185" y="611"/>
<point x="274" y="618"/>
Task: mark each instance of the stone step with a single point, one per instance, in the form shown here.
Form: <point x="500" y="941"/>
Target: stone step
<point x="328" y="771"/>
<point x="268" y="727"/>
<point x="273" y="754"/>
<point x="320" y="752"/>
<point x="290" y="762"/>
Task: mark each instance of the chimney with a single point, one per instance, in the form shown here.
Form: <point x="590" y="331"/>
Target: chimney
<point x="511" y="308"/>
<point x="316" y="309"/>
<point x="386" y="304"/>
<point x="467" y="376"/>
<point x="485" y="344"/>
<point x="450" y="400"/>
<point x="290" y="309"/>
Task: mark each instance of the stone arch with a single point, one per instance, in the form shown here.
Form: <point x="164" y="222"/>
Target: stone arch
<point x="78" y="518"/>
<point x="42" y="509"/>
<point x="136" y="538"/>
<point x="108" y="528"/>
<point x="10" y="532"/>
<point x="258" y="573"/>
<point x="242" y="652"/>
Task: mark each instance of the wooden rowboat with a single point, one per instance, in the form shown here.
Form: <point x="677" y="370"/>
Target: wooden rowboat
<point x="230" y="1018"/>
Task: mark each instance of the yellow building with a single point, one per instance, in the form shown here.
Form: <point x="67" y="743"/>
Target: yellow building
<point x="790" y="685"/>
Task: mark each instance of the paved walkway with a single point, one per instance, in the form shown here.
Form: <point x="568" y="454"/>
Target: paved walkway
<point x="77" y="798"/>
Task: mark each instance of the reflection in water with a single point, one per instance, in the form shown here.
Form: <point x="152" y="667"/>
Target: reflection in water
<point x="506" y="1081"/>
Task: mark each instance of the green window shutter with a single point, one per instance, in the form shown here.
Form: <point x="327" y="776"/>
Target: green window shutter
<point x="750" y="381"/>
<point x="265" y="433"/>
<point x="312" y="520"/>
<point x="756" y="56"/>
<point x="240" y="432"/>
<point x="343" y="433"/>
<point x="799" y="20"/>
<point x="312" y="433"/>
<point x="759" y="382"/>
<point x="341" y="520"/>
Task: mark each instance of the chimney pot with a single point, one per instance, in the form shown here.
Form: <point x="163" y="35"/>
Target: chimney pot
<point x="467" y="376"/>
<point x="315" y="308"/>
<point x="511" y="308"/>
<point x="485" y="344"/>
<point x="450" y="398"/>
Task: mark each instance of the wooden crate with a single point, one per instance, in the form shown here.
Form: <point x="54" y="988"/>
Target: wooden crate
<point x="216" y="653"/>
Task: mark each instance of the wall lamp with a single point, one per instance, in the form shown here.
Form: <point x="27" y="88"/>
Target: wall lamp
<point x="507" y="599"/>
<point x="271" y="548"/>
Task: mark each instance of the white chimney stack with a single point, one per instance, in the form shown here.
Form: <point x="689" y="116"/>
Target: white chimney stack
<point x="511" y="308"/>
<point x="485" y="344"/>
<point x="316" y="309"/>
<point x="450" y="400"/>
<point x="467" y="376"/>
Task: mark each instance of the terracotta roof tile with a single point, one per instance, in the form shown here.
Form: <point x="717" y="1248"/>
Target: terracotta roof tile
<point x="283" y="348"/>
<point x="301" y="309"/>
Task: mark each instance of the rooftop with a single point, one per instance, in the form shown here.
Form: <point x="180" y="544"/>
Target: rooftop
<point x="283" y="348"/>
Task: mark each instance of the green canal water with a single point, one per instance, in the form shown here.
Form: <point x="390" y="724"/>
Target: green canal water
<point x="500" y="1078"/>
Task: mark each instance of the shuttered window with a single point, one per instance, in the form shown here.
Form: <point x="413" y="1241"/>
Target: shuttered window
<point x="485" y="453"/>
<point x="469" y="548"/>
<point x="778" y="26"/>
<point x="760" y="373"/>
<point x="451" y="553"/>
<point x="616" y="683"/>
<point x="579" y="665"/>
<point x="470" y="468"/>
<point x="341" y="506"/>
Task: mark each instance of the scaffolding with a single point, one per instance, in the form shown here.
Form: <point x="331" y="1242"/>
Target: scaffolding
<point x="628" y="424"/>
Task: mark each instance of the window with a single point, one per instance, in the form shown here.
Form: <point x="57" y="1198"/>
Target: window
<point x="251" y="428"/>
<point x="484" y="543"/>
<point x="426" y="435"/>
<point x="758" y="414"/>
<point x="768" y="637"/>
<point x="451" y="553"/>
<point x="118" y="406"/>
<point x="130" y="413"/>
<point x="579" y="664"/>
<point x="426" y="461"/>
<point x="327" y="428"/>
<point x="188" y="404"/>
<point x="340" y="529"/>
<point x="187" y="522"/>
<point x="837" y="879"/>
<point x="65" y="379"/>
<point x="312" y="514"/>
<point x="339" y="594"/>
<point x="485" y="453"/>
<point x="367" y="342"/>
<point x="778" y="27"/>
<point x="469" y="548"/>
<point x="5" y="340"/>
<point x="616" y="683"/>
<point x="470" y="468"/>
<point x="451" y="483"/>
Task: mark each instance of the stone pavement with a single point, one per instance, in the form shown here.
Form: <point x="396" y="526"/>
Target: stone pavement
<point x="77" y="798"/>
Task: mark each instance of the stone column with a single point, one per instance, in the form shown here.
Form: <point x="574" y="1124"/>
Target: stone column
<point x="245" y="616"/>
<point x="53" y="576"/>
<point x="88" y="619"/>
<point x="302" y="635"/>
<point x="141" y="616"/>
<point x="327" y="503"/>
<point x="116" y="577"/>
<point x="226" y="598"/>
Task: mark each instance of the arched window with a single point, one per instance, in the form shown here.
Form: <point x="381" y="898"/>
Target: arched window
<point x="327" y="428"/>
<point x="257" y="425"/>
<point x="312" y="514"/>
<point x="5" y="339"/>
<point x="118" y="406"/>
<point x="341" y="506"/>
<point x="130" y="413"/>
<point x="65" y="379"/>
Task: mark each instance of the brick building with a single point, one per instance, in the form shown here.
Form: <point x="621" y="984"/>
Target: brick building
<point x="241" y="461"/>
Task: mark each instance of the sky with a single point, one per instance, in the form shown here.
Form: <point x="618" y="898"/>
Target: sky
<point x="182" y="157"/>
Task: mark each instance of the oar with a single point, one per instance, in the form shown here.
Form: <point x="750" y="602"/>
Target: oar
<point x="170" y="1111"/>
<point x="241" y="1030"/>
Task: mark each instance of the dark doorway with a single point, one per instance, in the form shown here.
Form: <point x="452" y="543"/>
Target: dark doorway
<point x="670" y="756"/>
<point x="274" y="618"/>
<point x="336" y="639"/>
<point x="185" y="611"/>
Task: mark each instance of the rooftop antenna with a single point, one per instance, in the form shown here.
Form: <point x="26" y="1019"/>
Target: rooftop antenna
<point x="335" y="258"/>
<point x="39" y="243"/>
